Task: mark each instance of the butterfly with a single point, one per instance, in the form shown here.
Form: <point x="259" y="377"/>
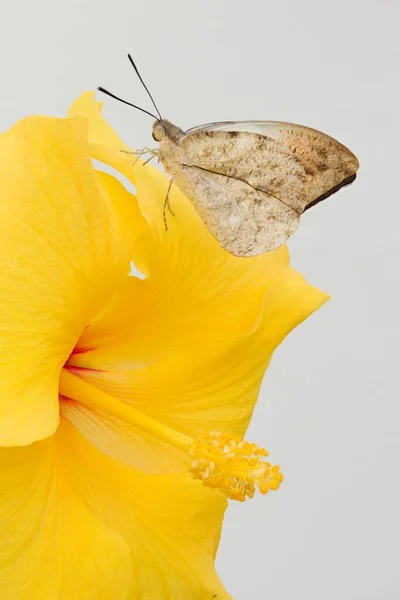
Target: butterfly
<point x="250" y="181"/>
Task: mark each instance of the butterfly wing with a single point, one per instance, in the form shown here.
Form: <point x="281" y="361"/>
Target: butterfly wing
<point x="250" y="181"/>
<point x="328" y="165"/>
<point x="245" y="221"/>
<point x="248" y="189"/>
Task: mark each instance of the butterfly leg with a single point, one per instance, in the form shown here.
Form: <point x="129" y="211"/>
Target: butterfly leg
<point x="167" y="205"/>
<point x="140" y="153"/>
<point x="153" y="154"/>
<point x="148" y="160"/>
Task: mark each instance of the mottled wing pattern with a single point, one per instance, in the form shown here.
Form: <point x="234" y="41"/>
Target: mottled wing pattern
<point x="244" y="220"/>
<point x="328" y="165"/>
<point x="263" y="163"/>
<point x="248" y="189"/>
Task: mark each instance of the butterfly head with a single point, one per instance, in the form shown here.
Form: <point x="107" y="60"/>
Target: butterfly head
<point x="164" y="128"/>
<point x="158" y="131"/>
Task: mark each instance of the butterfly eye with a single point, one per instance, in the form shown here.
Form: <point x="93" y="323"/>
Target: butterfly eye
<point x="158" y="131"/>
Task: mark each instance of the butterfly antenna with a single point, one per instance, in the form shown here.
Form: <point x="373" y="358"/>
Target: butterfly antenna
<point x="144" y="85"/>
<point x="104" y="91"/>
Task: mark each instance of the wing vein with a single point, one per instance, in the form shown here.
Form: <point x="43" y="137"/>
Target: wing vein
<point x="243" y="181"/>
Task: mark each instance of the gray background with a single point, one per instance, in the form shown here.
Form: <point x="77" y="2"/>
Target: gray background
<point x="328" y="408"/>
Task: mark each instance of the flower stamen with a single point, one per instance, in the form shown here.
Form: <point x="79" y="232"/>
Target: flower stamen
<point x="233" y="466"/>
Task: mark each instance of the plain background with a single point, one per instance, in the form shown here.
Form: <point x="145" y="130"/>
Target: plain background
<point x="329" y="408"/>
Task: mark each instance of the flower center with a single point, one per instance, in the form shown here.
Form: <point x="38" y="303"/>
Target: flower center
<point x="233" y="466"/>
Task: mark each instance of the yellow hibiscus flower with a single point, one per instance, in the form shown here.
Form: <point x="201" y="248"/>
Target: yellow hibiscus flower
<point x="114" y="387"/>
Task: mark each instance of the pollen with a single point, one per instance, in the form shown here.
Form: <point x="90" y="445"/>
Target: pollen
<point x="235" y="467"/>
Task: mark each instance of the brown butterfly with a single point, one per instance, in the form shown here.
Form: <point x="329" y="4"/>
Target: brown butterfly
<point x="251" y="180"/>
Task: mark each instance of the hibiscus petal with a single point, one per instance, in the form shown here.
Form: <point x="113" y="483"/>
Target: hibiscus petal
<point x="105" y="144"/>
<point x="131" y="224"/>
<point x="76" y="524"/>
<point x="171" y="522"/>
<point x="63" y="252"/>
<point x="52" y="545"/>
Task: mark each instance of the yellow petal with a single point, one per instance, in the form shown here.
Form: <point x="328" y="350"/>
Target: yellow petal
<point x="63" y="252"/>
<point x="181" y="365"/>
<point x="105" y="145"/>
<point x="99" y="132"/>
<point x="171" y="522"/>
<point x="76" y="524"/>
<point x="52" y="545"/>
<point x="131" y="224"/>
